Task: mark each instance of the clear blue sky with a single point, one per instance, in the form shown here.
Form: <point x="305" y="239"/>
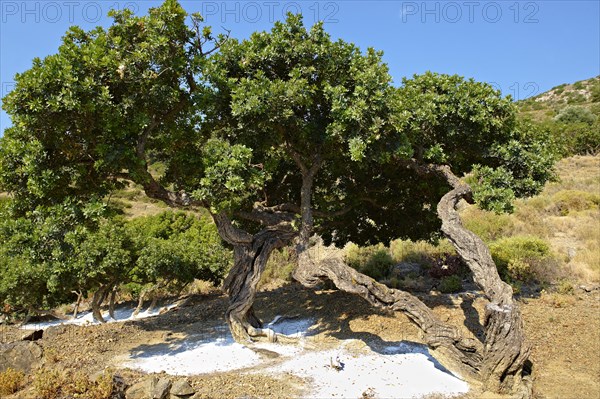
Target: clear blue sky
<point x="522" y="47"/>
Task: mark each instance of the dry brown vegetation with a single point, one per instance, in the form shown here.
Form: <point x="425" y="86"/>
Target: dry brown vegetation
<point x="566" y="215"/>
<point x="11" y="381"/>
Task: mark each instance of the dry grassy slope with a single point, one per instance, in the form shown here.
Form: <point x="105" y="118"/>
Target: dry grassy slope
<point x="546" y="105"/>
<point x="566" y="214"/>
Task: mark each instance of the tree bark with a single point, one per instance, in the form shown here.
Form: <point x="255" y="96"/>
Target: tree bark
<point x="251" y="253"/>
<point x="505" y="365"/>
<point x="97" y="300"/>
<point x="140" y="304"/>
<point x="77" y="303"/>
<point x="111" y="302"/>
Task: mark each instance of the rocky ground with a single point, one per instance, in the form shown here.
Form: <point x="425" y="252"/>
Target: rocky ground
<point x="564" y="331"/>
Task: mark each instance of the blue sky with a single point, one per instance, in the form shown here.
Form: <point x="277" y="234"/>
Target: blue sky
<point x="522" y="47"/>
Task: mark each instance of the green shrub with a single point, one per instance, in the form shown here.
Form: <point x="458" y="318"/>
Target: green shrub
<point x="450" y="284"/>
<point x="178" y="246"/>
<point x="522" y="258"/>
<point x="378" y="265"/>
<point x="280" y="266"/>
<point x="565" y="287"/>
<point x="575" y="114"/>
<point x="56" y="384"/>
<point x="595" y="92"/>
<point x="375" y="261"/>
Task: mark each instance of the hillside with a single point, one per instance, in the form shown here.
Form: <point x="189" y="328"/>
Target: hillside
<point x="545" y="106"/>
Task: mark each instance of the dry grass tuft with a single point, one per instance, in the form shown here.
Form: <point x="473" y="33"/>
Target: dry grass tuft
<point x="11" y="381"/>
<point x="55" y="384"/>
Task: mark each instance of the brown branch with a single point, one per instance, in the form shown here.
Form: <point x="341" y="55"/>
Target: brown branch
<point x="155" y="190"/>
<point x="229" y="232"/>
<point x="293" y="208"/>
<point x="267" y="218"/>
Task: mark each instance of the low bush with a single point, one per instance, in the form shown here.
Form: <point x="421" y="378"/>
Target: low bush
<point x="523" y="258"/>
<point x="565" y="287"/>
<point x="450" y="284"/>
<point x="421" y="252"/>
<point x="55" y="384"/>
<point x="375" y="261"/>
<point x="566" y="201"/>
<point x="280" y="266"/>
<point x="488" y="225"/>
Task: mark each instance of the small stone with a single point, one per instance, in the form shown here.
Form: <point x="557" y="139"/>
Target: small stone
<point x="161" y="390"/>
<point x="182" y="388"/>
<point x="54" y="331"/>
<point x="142" y="389"/>
<point x="589" y="288"/>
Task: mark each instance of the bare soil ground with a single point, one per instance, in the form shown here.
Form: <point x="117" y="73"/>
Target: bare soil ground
<point x="563" y="329"/>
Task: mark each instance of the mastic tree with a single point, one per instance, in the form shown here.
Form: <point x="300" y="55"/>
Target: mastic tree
<point x="283" y="136"/>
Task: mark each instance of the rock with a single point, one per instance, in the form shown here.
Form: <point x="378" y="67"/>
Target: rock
<point x="20" y="355"/>
<point x="142" y="390"/>
<point x="403" y="269"/>
<point x="33" y="335"/>
<point x="182" y="388"/>
<point x="589" y="288"/>
<point x="161" y="390"/>
<point x="55" y="331"/>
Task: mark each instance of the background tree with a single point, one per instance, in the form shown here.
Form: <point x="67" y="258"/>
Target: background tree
<point x="281" y="136"/>
<point x="175" y="249"/>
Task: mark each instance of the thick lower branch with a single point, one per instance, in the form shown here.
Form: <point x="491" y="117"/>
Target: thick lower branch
<point x="461" y="353"/>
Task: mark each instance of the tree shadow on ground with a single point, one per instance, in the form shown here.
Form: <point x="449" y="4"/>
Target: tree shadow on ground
<point x="334" y="315"/>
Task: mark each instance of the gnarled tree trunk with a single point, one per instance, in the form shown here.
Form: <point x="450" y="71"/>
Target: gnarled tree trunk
<point x="505" y="366"/>
<point x="97" y="299"/>
<point x="112" y="302"/>
<point x="77" y="303"/>
<point x="457" y="352"/>
<point x="501" y="364"/>
<point x="251" y="253"/>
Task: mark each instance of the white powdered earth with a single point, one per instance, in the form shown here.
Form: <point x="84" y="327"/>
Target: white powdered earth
<point x="402" y="370"/>
<point x="86" y="318"/>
